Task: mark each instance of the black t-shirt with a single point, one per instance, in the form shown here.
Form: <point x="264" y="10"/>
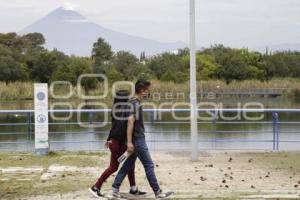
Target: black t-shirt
<point x="137" y="111"/>
<point x="119" y="117"/>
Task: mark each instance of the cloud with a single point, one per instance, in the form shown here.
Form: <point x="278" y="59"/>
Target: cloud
<point x="234" y="22"/>
<point x="77" y="20"/>
<point x="69" y="5"/>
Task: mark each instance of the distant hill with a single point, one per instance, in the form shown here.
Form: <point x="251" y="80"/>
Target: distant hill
<point x="72" y="33"/>
<point x="285" y="47"/>
<point x="279" y="47"/>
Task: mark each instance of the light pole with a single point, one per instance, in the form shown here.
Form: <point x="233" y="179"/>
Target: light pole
<point x="193" y="84"/>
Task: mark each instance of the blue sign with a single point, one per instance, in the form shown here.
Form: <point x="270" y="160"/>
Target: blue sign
<point x="41" y="96"/>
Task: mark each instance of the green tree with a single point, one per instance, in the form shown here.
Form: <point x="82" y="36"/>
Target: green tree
<point x="168" y="76"/>
<point x="283" y="64"/>
<point x="44" y="66"/>
<point x="11" y="70"/>
<point x="101" y="54"/>
<point x="5" y="51"/>
<point x="30" y="59"/>
<point x="114" y="75"/>
<point x="295" y="64"/>
<point x="33" y="40"/>
<point x="81" y="66"/>
<point x="162" y="63"/>
<point x="11" y="40"/>
<point x="141" y="71"/>
<point x="206" y="67"/>
<point x="125" y="63"/>
<point x="184" y="52"/>
<point x="143" y="56"/>
<point x="64" y="73"/>
<point x="237" y="64"/>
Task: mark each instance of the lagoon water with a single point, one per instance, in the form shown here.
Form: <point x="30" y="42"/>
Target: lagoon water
<point x="165" y="133"/>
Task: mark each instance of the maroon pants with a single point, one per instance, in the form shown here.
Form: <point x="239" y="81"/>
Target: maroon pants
<point x="116" y="149"/>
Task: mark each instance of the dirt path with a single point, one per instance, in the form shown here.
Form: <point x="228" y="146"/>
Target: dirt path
<point x="233" y="175"/>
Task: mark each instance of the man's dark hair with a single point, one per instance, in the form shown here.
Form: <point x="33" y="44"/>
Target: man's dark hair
<point x="140" y="85"/>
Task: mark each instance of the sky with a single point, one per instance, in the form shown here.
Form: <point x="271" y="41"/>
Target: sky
<point x="236" y="23"/>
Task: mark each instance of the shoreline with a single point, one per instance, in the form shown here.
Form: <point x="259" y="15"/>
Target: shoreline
<point x="289" y="87"/>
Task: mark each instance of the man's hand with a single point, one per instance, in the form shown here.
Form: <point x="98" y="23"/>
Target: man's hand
<point x="130" y="147"/>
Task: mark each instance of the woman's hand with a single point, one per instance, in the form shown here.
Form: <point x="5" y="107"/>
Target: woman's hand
<point x="130" y="147"/>
<point x="107" y="144"/>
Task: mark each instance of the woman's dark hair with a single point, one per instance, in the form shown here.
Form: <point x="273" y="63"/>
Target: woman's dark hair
<point x="141" y="84"/>
<point x="122" y="96"/>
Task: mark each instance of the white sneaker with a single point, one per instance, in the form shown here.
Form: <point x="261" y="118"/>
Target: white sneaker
<point x="111" y="195"/>
<point x="163" y="195"/>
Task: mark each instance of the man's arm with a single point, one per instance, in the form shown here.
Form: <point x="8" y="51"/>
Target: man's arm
<point x="130" y="125"/>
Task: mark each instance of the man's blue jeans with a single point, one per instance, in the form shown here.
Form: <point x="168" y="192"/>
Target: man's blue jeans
<point x="140" y="151"/>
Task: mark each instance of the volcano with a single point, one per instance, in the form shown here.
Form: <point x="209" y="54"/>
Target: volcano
<point x="72" y="33"/>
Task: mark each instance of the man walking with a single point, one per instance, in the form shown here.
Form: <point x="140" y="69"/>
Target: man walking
<point x="136" y="144"/>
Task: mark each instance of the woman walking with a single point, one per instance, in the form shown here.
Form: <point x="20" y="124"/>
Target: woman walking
<point x="116" y="143"/>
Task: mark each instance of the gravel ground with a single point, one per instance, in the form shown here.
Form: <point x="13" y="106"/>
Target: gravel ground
<point x="217" y="175"/>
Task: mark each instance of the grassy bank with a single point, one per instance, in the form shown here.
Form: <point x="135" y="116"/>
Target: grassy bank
<point x="217" y="175"/>
<point x="24" y="91"/>
<point x="19" y="182"/>
<point x="80" y="159"/>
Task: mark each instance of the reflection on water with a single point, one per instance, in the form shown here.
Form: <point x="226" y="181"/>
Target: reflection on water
<point x="174" y="135"/>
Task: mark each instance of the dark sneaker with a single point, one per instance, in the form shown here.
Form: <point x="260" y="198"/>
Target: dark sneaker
<point x="137" y="192"/>
<point x="162" y="195"/>
<point x="95" y="192"/>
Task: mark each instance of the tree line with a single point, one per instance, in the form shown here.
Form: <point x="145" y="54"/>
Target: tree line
<point x="23" y="58"/>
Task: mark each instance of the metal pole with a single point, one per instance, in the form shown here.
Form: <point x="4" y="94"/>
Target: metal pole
<point x="193" y="84"/>
<point x="274" y="130"/>
<point x="277" y="132"/>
